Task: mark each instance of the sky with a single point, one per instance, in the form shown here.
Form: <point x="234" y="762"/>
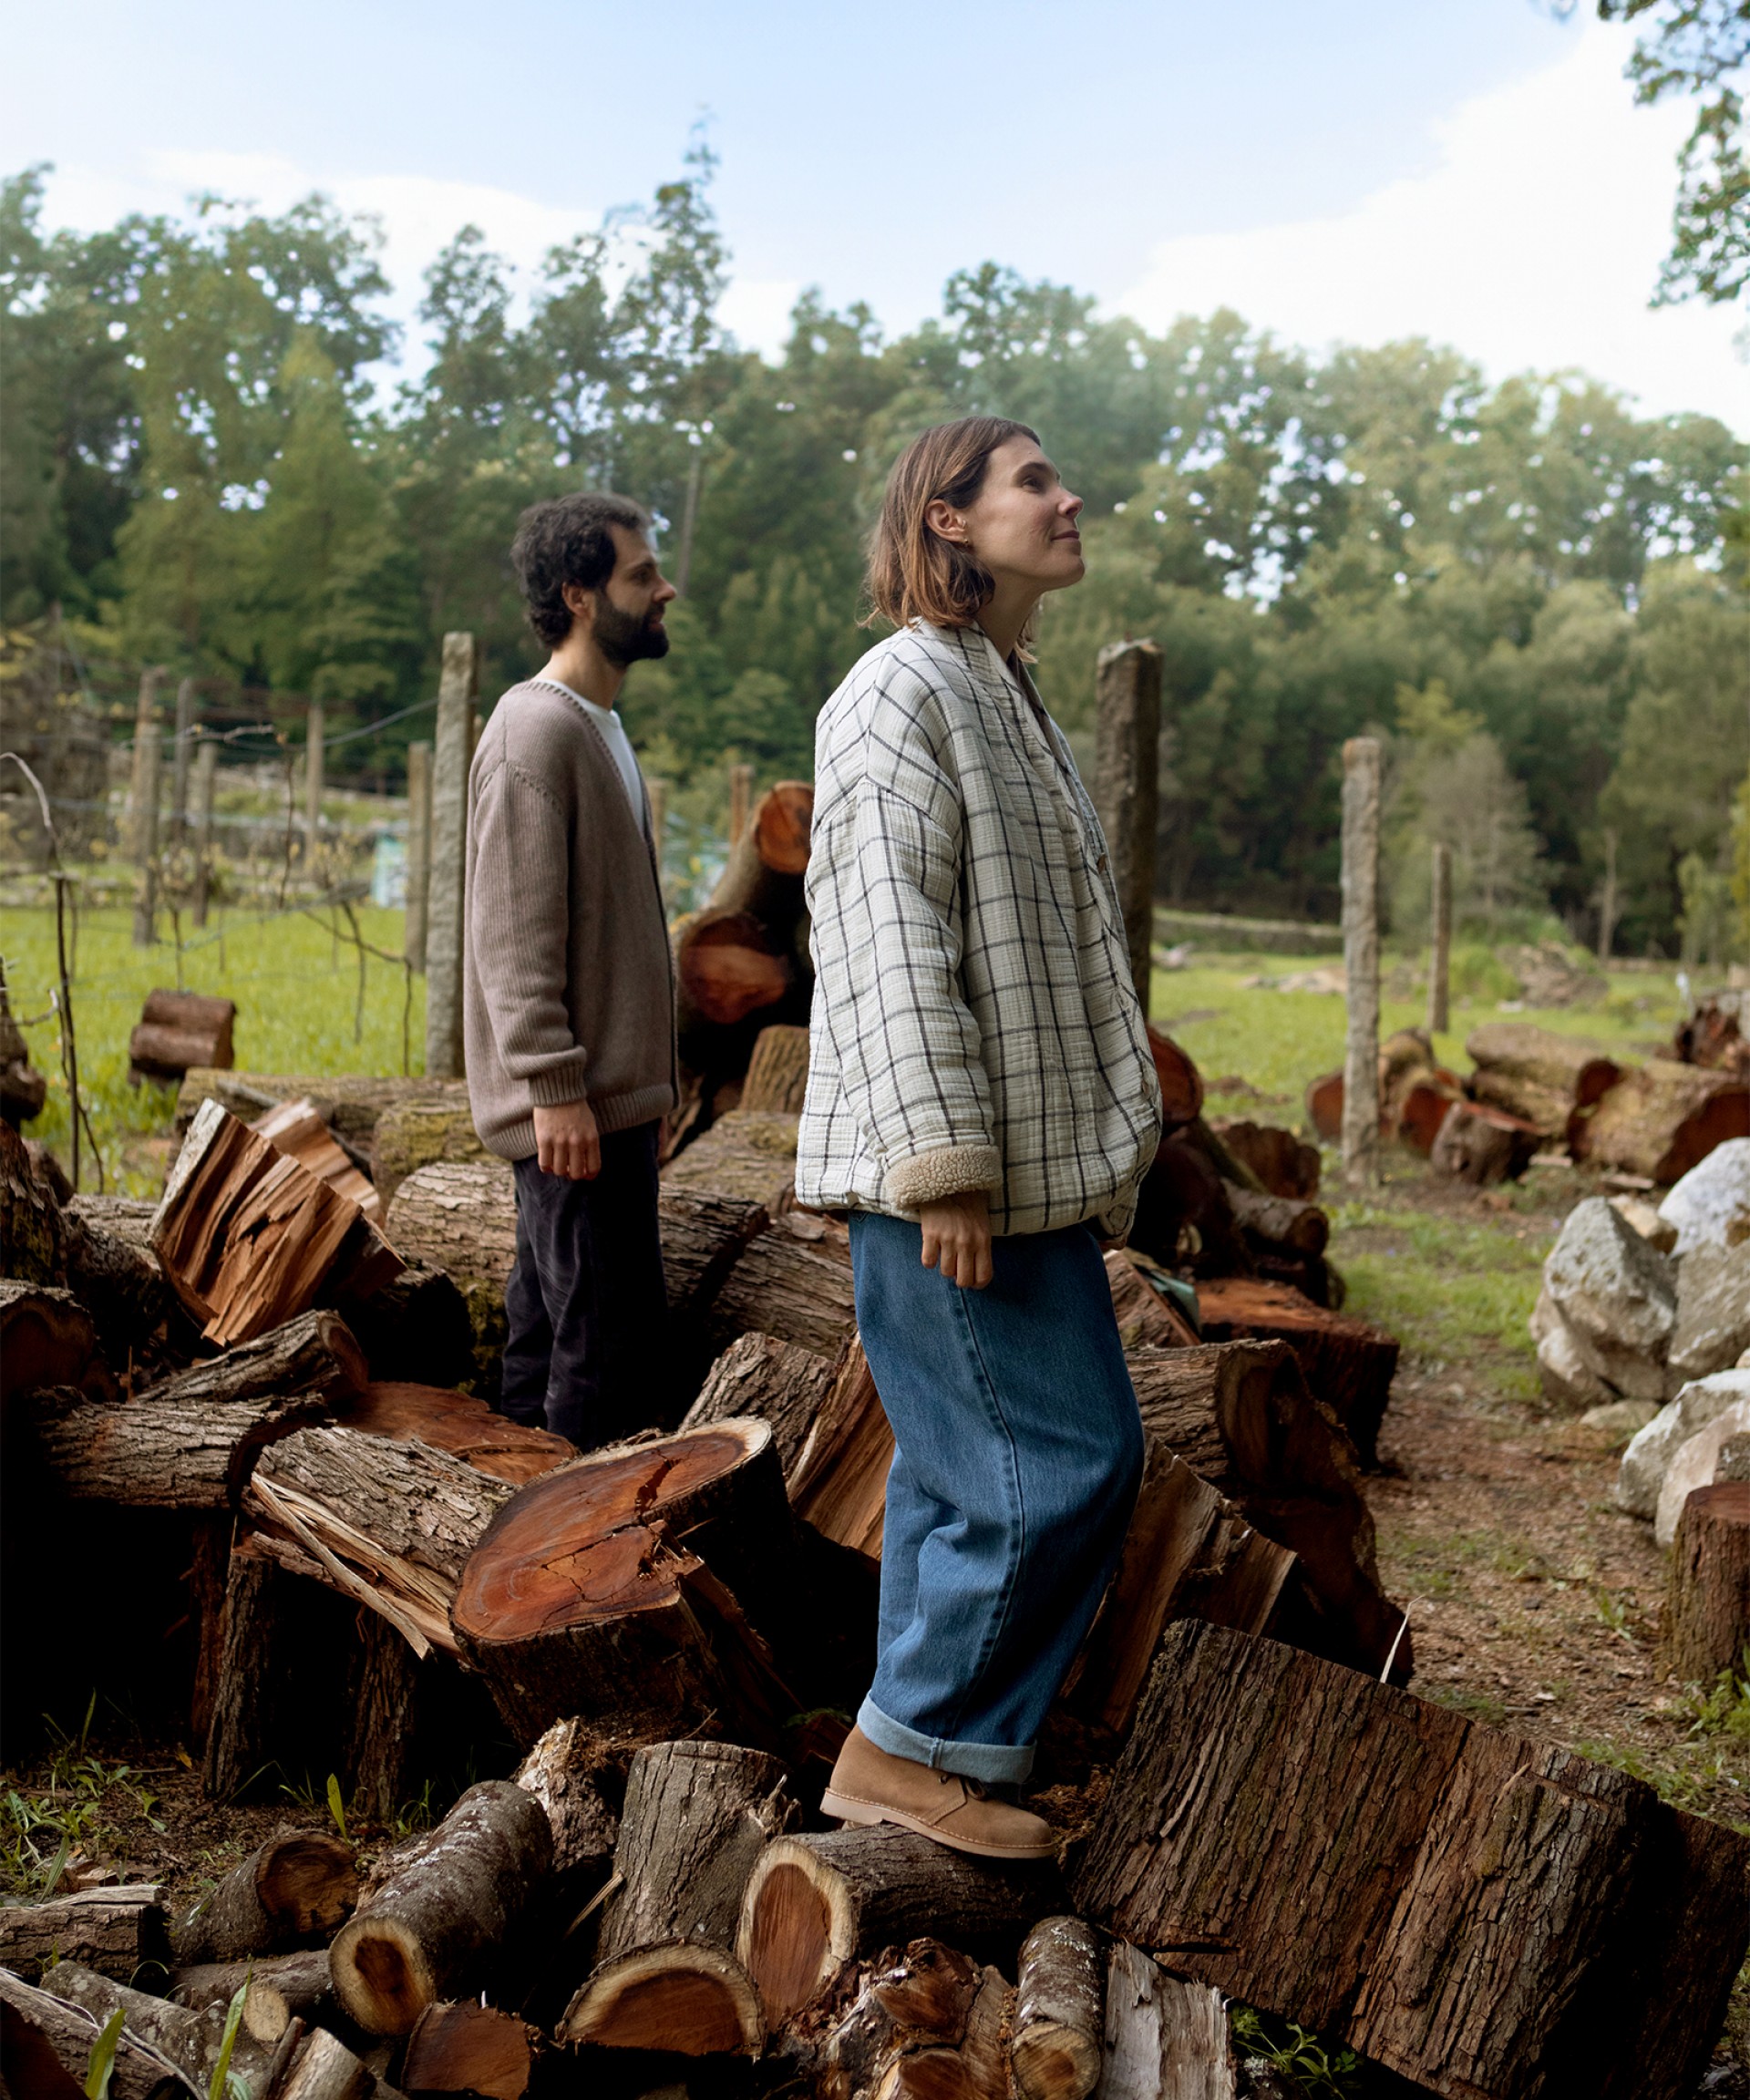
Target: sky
<point x="1471" y="170"/>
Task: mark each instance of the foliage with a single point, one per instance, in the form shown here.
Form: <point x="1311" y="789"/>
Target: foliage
<point x="1310" y="2064"/>
<point x="101" y="2062"/>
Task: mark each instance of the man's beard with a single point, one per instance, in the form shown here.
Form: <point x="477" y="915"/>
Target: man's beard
<point x="623" y="638"/>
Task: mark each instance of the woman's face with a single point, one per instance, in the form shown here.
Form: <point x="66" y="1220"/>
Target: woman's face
<point x="1022" y="524"/>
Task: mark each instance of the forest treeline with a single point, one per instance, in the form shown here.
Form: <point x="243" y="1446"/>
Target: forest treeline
<point x="213" y="460"/>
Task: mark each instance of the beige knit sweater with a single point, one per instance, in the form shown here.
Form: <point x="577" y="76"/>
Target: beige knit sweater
<point x="567" y="990"/>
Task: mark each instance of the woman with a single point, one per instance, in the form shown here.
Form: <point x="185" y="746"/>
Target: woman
<point x="983" y="1103"/>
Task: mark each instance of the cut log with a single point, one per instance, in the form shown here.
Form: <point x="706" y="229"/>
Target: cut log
<point x="468" y="2048"/>
<point x="777" y="1073"/>
<point x="41" y="2033"/>
<point x="313" y="1357"/>
<point x="410" y="1135"/>
<point x="839" y="1483"/>
<point x="1483" y="1914"/>
<point x="1424" y="1111"/>
<point x="1662" y="1120"/>
<point x="415" y="1329"/>
<point x="1181" y="1085"/>
<point x="460" y="1216"/>
<point x="901" y="2024"/>
<point x="578" y="1774"/>
<point x="764" y="872"/>
<point x="1707" y="1602"/>
<point x="32" y="1232"/>
<point x="1324" y="1107"/>
<point x="778" y="1382"/>
<point x="124" y="1290"/>
<point x="323" y="2068"/>
<point x="727" y="965"/>
<point x="192" y="2040"/>
<point x="704" y="1235"/>
<point x="599" y="1590"/>
<point x="291" y="1891"/>
<point x="697" y="1816"/>
<point x="977" y="2068"/>
<point x="47" y="1338"/>
<point x="745" y="1153"/>
<point x="114" y="1931"/>
<point x="1165" y="2036"/>
<point x="1056" y="2050"/>
<point x="277" y="1991"/>
<point x="1283" y="1164"/>
<point x="177" y="1031"/>
<point x="1184" y="1219"/>
<point x="428" y="1932"/>
<point x="815" y="1904"/>
<point x="1240" y="1417"/>
<point x="465" y="1427"/>
<point x="1279" y="1221"/>
<point x="1348" y="1363"/>
<point x="792" y="1286"/>
<point x="298" y="1129"/>
<point x="161" y="1455"/>
<point x="1483" y="1145"/>
<point x="1147" y="1318"/>
<point x="383" y="1710"/>
<point x="389" y="1522"/>
<point x="1537" y="1075"/>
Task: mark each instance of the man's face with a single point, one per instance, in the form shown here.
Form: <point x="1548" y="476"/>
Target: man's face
<point x="626" y="619"/>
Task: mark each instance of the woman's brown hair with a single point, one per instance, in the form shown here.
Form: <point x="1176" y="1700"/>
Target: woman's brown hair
<point x="915" y="573"/>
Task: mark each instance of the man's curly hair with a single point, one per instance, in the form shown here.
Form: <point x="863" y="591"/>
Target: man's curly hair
<point x="568" y="540"/>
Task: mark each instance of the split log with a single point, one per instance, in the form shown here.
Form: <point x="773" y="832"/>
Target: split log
<point x="429" y="1932"/>
<point x="1166" y="2037"/>
<point x="1707" y="1602"/>
<point x="115" y="1930"/>
<point x="1273" y="1222"/>
<point x="600" y="1590"/>
<point x="727" y="965"/>
<point x="298" y="1129"/>
<point x="1147" y="1318"/>
<point x="1483" y="1145"/>
<point x="415" y="1329"/>
<point x="1348" y="1363"/>
<point x="277" y="1991"/>
<point x="161" y="1455"/>
<point x="1240" y="1417"/>
<point x="839" y="1481"/>
<point x="1283" y="1164"/>
<point x="176" y="1032"/>
<point x="40" y="2034"/>
<point x="313" y="1357"/>
<point x="1537" y="1075"/>
<point x="325" y="2068"/>
<point x="1662" y="1120"/>
<point x="697" y="1816"/>
<point x="1181" y="1085"/>
<point x="792" y="1285"/>
<point x="32" y="1233"/>
<point x="410" y="1135"/>
<point x="705" y="1233"/>
<point x="1483" y="1914"/>
<point x="465" y="1427"/>
<point x="578" y="1774"/>
<point x="468" y="2048"/>
<point x="902" y="2014"/>
<point x="193" y="2041"/>
<point x="777" y="1073"/>
<point x="294" y="1889"/>
<point x="47" y="1338"/>
<point x="778" y="1382"/>
<point x="815" y="1903"/>
<point x="1056" y="2050"/>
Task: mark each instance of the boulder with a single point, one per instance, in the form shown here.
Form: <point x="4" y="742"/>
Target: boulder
<point x="1653" y="1229"/>
<point x="1710" y="1207"/>
<point x="1618" y="1420"/>
<point x="1569" y="1380"/>
<point x="1713" y="1328"/>
<point x="1734" y="1462"/>
<point x="1648" y="1458"/>
<point x="1618" y="1296"/>
<point x="1694" y="1465"/>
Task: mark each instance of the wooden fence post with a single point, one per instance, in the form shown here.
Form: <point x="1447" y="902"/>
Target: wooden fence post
<point x="312" y="773"/>
<point x="145" y="812"/>
<point x="413" y="945"/>
<point x="741" y="796"/>
<point x="1607" y="902"/>
<point x="206" y="764"/>
<point x="181" y="752"/>
<point x="1440" y="962"/>
<point x="457" y="689"/>
<point x="1361" y="959"/>
<point x="1126" y="787"/>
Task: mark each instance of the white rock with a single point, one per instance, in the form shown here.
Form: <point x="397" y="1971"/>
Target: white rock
<point x="1618" y="1420"/>
<point x="1618" y="1296"/>
<point x="1710" y="1207"/>
<point x="1713" y="1328"/>
<point x="1694" y="1465"/>
<point x="1646" y="1221"/>
<point x="1648" y="1458"/>
<point x="1569" y="1380"/>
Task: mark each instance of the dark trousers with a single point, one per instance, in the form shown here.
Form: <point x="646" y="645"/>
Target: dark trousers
<point x="586" y="1304"/>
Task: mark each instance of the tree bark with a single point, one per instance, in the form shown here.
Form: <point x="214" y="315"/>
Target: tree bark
<point x="295" y="1889"/>
<point x="47" y="1339"/>
<point x="325" y="2069"/>
<point x="778" y="1072"/>
<point x="158" y="1454"/>
<point x="1183" y="1219"/>
<point x="279" y="1990"/>
<point x="839" y="1484"/>
<point x="1056" y="2050"/>
<point x="383" y="1702"/>
<point x="1662" y="1120"/>
<point x="113" y="1930"/>
<point x="1440" y="941"/>
<point x="746" y="1153"/>
<point x="1127" y="788"/>
<point x="32" y="1234"/>
<point x="460" y="1216"/>
<point x="40" y="2031"/>
<point x="280" y="1681"/>
<point x="797" y="1289"/>
<point x="578" y="1774"/>
<point x="762" y="874"/>
<point x="351" y="1102"/>
<point x="697" y="1816"/>
<point x="192" y="2040"/>
<point x="410" y="1135"/>
<point x="599" y="1590"/>
<point x="429" y="1932"/>
<point x="778" y="1382"/>
<point x="815" y="1903"/>
<point x="468" y="2048"/>
<point x="122" y="1287"/>
<point x="1348" y="1363"/>
<point x="458" y="687"/>
<point x="1361" y="959"/>
<point x="314" y="1358"/>
<point x="1708" y="1600"/>
<point x="705" y="1233"/>
<point x="465" y="1427"/>
<point x="1485" y="1915"/>
<point x="1166" y="2037"/>
<point x="1482" y="1145"/>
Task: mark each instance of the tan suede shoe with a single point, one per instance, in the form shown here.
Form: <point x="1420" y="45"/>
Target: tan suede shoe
<point x="870" y="1785"/>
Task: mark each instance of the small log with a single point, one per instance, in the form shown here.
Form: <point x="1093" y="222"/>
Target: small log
<point x="1283" y="1164"/>
<point x="47" y="1338"/>
<point x="1662" y="1120"/>
<point x="1708" y="1600"/>
<point x="1423" y="1110"/>
<point x="1483" y="1145"/>
<point x="778" y="1382"/>
<point x="460" y="1216"/>
<point x="351" y="1102"/>
<point x="578" y="1774"/>
<point x="465" y="1427"/>
<point x="697" y="1816"/>
<point x="41" y="2033"/>
<point x="315" y="1356"/>
<point x="1273" y="1222"/>
<point x="778" y="1072"/>
<point x="815" y="1903"/>
<point x="1348" y="1363"/>
<point x="798" y="1289"/>
<point x="468" y="2048"/>
<point x="325" y="2068"/>
<point x="727" y="965"/>
<point x="32" y="1232"/>
<point x="298" y="1129"/>
<point x="428" y="1932"/>
<point x="1166" y="2037"/>
<point x="1324" y="1107"/>
<point x="114" y="1931"/>
<point x="158" y="1454"/>
<point x="1537" y="1075"/>
<point x="1181" y="1085"/>
<point x="277" y="1991"/>
<point x="839" y="1483"/>
<point x="191" y="2040"/>
<point x="591" y="1593"/>
<point x="1057" y="2049"/>
<point x="294" y="1889"/>
<point x="764" y="872"/>
<point x="410" y="1135"/>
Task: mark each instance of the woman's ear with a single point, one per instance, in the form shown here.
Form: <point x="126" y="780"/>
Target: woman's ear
<point x="945" y="521"/>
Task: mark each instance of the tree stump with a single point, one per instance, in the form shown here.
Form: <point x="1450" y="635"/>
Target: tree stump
<point x="426" y="1933"/>
<point x="293" y="1890"/>
<point x="1707" y="1603"/>
<point x="778" y="1382"/>
<point x="1056" y="2050"/>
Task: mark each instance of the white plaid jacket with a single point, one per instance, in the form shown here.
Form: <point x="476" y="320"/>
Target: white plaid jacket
<point x="974" y="1023"/>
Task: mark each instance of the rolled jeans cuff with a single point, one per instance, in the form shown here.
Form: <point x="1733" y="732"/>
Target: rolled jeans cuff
<point x="996" y="1764"/>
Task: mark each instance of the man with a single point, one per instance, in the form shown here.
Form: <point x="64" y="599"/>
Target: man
<point x="569" y="1000"/>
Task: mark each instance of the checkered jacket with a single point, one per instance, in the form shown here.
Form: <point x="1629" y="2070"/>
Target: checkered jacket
<point x="974" y="1023"/>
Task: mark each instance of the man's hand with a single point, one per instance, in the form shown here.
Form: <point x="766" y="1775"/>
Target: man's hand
<point x="568" y="1143"/>
<point x="957" y="1239"/>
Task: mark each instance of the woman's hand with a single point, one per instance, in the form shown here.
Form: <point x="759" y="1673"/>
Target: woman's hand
<point x="957" y="1238"/>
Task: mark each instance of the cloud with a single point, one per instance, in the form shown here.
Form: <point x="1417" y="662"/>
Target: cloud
<point x="1532" y="243"/>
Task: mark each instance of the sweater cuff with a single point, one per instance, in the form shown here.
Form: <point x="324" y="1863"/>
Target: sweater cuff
<point x="554" y="1088"/>
<point x="950" y="1171"/>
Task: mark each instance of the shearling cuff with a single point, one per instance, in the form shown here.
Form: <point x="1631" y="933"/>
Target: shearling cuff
<point x="950" y="1171"/>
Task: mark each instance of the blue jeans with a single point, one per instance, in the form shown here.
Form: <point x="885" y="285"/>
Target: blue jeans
<point x="1019" y="1449"/>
